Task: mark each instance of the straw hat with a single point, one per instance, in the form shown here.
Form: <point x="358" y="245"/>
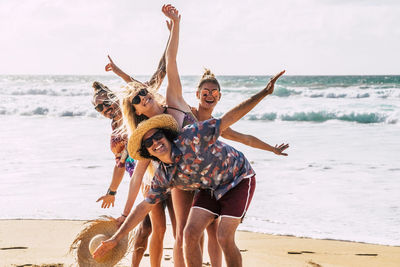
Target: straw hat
<point x="164" y="121"/>
<point x="106" y="226"/>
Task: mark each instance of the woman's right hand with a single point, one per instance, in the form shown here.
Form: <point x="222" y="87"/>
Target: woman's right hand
<point x="108" y="200"/>
<point x="171" y="12"/>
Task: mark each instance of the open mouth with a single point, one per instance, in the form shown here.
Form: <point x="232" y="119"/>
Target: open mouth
<point x="146" y="101"/>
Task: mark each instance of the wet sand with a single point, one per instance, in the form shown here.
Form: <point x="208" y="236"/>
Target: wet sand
<point x="46" y="243"/>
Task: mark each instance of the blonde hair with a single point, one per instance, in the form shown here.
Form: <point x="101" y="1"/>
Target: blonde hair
<point x="208" y="77"/>
<point x="131" y="119"/>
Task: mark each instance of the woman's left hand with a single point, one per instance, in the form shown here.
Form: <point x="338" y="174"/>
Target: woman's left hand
<point x="270" y="86"/>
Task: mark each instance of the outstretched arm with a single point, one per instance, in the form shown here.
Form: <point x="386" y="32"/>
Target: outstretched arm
<point x="253" y="141"/>
<point x="134" y="188"/>
<point x="243" y="108"/>
<point x="174" y="88"/>
<point x="114" y="68"/>
<point x="134" y="218"/>
<point x="108" y="199"/>
<point x="157" y="78"/>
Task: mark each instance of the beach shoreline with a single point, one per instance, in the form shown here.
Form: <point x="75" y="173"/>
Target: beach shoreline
<point x="36" y="242"/>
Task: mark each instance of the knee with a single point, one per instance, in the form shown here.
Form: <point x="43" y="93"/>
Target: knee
<point x="191" y="235"/>
<point x="143" y="231"/>
<point x="224" y="240"/>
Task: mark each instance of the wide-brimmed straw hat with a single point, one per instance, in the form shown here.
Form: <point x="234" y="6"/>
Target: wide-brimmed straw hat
<point x="106" y="226"/>
<point x="163" y="121"/>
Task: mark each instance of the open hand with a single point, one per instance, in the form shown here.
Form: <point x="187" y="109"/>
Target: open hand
<point x="108" y="200"/>
<point x="171" y="12"/>
<point x="279" y="149"/>
<point x="105" y="247"/>
<point x="270" y="86"/>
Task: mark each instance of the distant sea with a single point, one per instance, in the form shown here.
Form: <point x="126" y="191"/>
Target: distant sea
<point x="340" y="181"/>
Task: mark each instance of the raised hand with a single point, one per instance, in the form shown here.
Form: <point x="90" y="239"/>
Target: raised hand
<point x="171" y="12"/>
<point x="108" y="200"/>
<point x="112" y="67"/>
<point x="270" y="86"/>
<point x="279" y="149"/>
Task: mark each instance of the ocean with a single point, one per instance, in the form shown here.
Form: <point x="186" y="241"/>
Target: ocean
<point x="340" y="181"/>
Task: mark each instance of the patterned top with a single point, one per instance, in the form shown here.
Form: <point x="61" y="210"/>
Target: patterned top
<point x="118" y="143"/>
<point x="200" y="162"/>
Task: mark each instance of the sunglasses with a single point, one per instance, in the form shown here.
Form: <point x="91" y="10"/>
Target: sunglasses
<point x="136" y="100"/>
<point x="106" y="103"/>
<point x="205" y="92"/>
<point x="148" y="142"/>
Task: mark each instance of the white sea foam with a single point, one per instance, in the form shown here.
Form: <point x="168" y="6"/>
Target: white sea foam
<point x="340" y="180"/>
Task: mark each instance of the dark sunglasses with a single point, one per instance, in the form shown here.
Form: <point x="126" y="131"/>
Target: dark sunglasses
<point x="106" y="103"/>
<point x="148" y="142"/>
<point x="136" y="100"/>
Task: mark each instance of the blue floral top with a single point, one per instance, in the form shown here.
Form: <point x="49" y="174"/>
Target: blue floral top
<point x="200" y="162"/>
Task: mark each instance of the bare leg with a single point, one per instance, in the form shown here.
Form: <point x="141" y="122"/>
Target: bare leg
<point x="226" y="239"/>
<point x="198" y="220"/>
<point x="214" y="250"/>
<point x="157" y="216"/>
<point x="171" y="214"/>
<point x="182" y="201"/>
<point x="141" y="234"/>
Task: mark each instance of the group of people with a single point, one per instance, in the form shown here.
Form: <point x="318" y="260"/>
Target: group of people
<point x="172" y="153"/>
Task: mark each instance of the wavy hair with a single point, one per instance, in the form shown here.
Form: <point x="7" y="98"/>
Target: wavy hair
<point x="131" y="119"/>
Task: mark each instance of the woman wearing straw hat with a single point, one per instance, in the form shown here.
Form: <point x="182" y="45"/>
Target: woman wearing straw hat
<point x="195" y="159"/>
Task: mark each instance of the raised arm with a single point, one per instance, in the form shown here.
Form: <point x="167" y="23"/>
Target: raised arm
<point x="243" y="108"/>
<point x="111" y="66"/>
<point x="174" y="88"/>
<point x="253" y="141"/>
<point x="157" y="78"/>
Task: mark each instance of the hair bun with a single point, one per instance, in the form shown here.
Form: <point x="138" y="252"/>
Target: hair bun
<point x="98" y="87"/>
<point x="207" y="74"/>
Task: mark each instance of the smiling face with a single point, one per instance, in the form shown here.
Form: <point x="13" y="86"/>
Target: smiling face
<point x="208" y="95"/>
<point x="146" y="101"/>
<point x="157" y="145"/>
<point x="107" y="107"/>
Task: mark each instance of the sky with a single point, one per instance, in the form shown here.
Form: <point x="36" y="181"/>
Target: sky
<point x="260" y="37"/>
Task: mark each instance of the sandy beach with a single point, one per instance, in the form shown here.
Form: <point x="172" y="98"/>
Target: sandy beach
<point x="46" y="243"/>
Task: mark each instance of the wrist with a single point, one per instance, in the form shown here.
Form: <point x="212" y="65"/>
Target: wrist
<point x="123" y="215"/>
<point x="110" y="192"/>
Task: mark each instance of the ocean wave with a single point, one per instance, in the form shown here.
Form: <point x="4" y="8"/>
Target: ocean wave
<point x="323" y="116"/>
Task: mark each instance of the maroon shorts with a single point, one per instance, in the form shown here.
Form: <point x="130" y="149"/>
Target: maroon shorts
<point x="233" y="204"/>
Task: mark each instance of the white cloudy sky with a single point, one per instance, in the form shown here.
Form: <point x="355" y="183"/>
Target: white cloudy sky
<point x="230" y="37"/>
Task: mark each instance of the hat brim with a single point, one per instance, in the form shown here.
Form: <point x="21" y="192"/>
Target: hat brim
<point x="106" y="226"/>
<point x="163" y="121"/>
